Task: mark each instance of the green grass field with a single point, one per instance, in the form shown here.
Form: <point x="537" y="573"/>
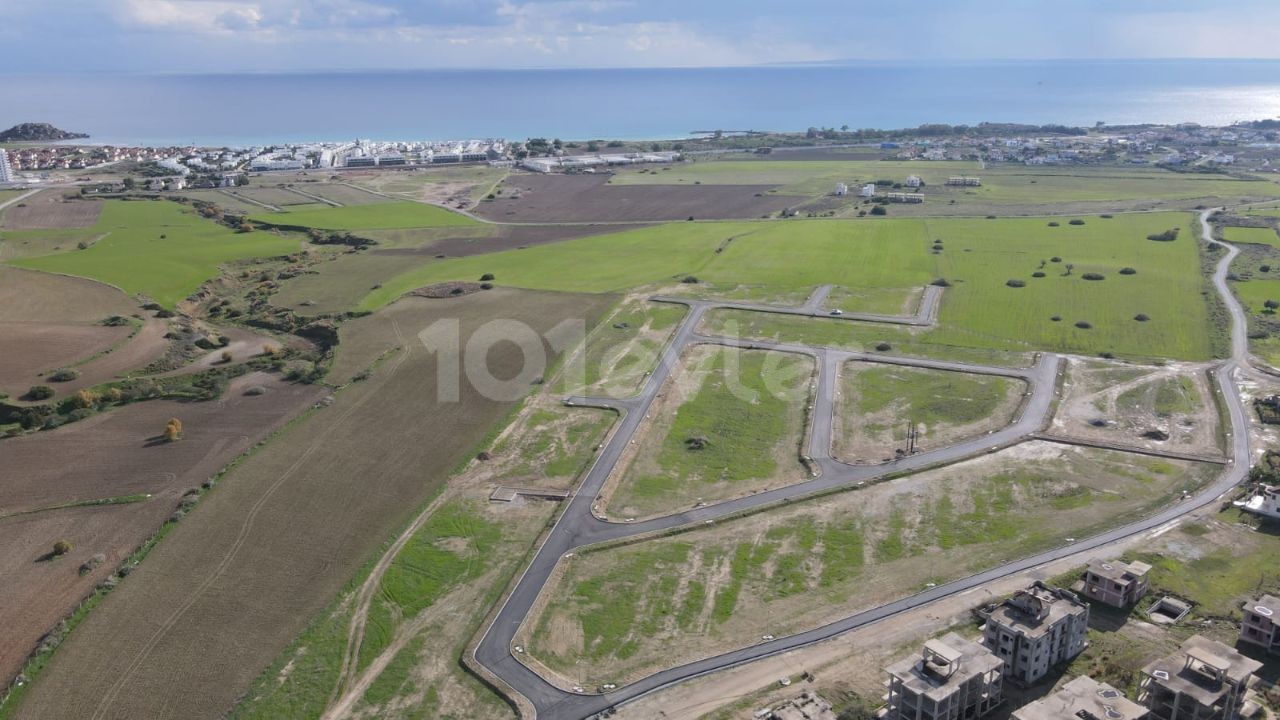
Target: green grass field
<point x="1257" y="236"/>
<point x="978" y="257"/>
<point x="157" y="249"/>
<point x="1001" y="184"/>
<point x="375" y="216"/>
<point x="745" y="409"/>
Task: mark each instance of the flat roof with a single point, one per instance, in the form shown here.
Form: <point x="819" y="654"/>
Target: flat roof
<point x="1083" y="694"/>
<point x="1267" y="606"/>
<point x="1181" y="670"/>
<point x="918" y="678"/>
<point x="1116" y="570"/>
<point x="1010" y="615"/>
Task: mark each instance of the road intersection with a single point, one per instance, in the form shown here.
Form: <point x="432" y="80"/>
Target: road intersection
<point x="580" y="525"/>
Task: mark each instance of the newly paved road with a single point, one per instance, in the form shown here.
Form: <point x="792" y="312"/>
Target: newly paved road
<point x="579" y="526"/>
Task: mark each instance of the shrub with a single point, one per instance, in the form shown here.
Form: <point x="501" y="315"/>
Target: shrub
<point x="879" y="210"/>
<point x="1106" y="355"/>
<point x="1016" y="283"/>
<point x="941" y="282"/>
<point x="227" y="356"/>
<point x="1128" y="271"/>
<point x="1167" y="236"/>
<point x="1106" y="216"/>
<point x="1270" y="305"/>
<point x="84" y="400"/>
<point x="256" y="390"/>
<point x="172" y="430"/>
<point x="486" y="286"/>
<point x="486" y="277"/>
<point x="1141" y="317"/>
<point x="1083" y="325"/>
<point x="63" y="375"/>
<point x="1094" y="276"/>
<point x="689" y="280"/>
<point x="1055" y="258"/>
<point x="991" y="217"/>
<point x="61" y="547"/>
<point x="1037" y="274"/>
<point x="1264" y="268"/>
<point x="39" y="392"/>
<point x="1076" y="221"/>
<point x="883" y="347"/>
<point x="1054" y="223"/>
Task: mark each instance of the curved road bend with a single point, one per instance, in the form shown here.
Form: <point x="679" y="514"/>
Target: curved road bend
<point x="552" y="703"/>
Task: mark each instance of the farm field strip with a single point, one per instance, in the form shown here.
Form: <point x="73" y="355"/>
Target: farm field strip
<point x="373" y="216"/>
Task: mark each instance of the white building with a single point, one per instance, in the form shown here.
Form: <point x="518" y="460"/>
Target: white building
<point x="841" y="189"/>
<point x="6" y="172"/>
<point x="913" y="181"/>
<point x="1266" y="503"/>
<point x="868" y="190"/>
<point x="1035" y="630"/>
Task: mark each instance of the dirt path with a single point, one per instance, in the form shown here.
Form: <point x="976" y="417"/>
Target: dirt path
<point x="173" y="620"/>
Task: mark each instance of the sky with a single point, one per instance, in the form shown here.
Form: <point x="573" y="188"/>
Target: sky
<point x="311" y="35"/>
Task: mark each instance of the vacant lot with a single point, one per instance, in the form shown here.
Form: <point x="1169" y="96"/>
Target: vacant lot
<point x="225" y="199"/>
<point x="377" y="216"/>
<point x="280" y="197"/>
<point x="452" y="186"/>
<point x="340" y="193"/>
<point x="239" y="579"/>
<point x="158" y="249"/>
<point x="1131" y="404"/>
<point x="52" y="321"/>
<point x="1096" y="306"/>
<point x="118" y="458"/>
<point x="50" y="209"/>
<point x="589" y="198"/>
<point x="1259" y="236"/>
<point x="629" y="610"/>
<point x="878" y="401"/>
<point x="621" y="351"/>
<point x="730" y="422"/>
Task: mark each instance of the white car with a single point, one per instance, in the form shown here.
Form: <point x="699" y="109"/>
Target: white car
<point x="837" y="311"/>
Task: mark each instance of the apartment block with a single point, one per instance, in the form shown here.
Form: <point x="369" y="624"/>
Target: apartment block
<point x="1259" y="627"/>
<point x="1083" y="698"/>
<point x="1203" y="680"/>
<point x="1036" y="629"/>
<point x="953" y="679"/>
<point x="1116" y="583"/>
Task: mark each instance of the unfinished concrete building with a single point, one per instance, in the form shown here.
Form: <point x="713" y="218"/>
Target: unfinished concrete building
<point x="1203" y="680"/>
<point x="1083" y="698"/>
<point x="1260" y="623"/>
<point x="1036" y="629"/>
<point x="953" y="679"/>
<point x="1116" y="583"/>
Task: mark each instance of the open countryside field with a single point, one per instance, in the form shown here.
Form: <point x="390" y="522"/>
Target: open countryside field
<point x="444" y="185"/>
<point x="621" y="351"/>
<point x="1260" y="236"/>
<point x="140" y="480"/>
<point x="50" y="210"/>
<point x="51" y="321"/>
<point x="730" y="423"/>
<point x="878" y="401"/>
<point x="1001" y="184"/>
<point x="438" y="587"/>
<point x="158" y="249"/>
<point x="377" y="216"/>
<point x="978" y="257"/>
<point x="617" y="613"/>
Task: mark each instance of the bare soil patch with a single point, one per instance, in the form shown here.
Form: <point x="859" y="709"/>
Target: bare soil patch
<point x="236" y="581"/>
<point x="446" y="290"/>
<point x="111" y="455"/>
<point x="506" y="238"/>
<point x="50" y="210"/>
<point x="1131" y="404"/>
<point x="587" y="198"/>
<point x="32" y="349"/>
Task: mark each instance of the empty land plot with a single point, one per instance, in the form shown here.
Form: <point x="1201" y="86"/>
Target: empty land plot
<point x="376" y="216"/>
<point x="49" y="210"/>
<point x="589" y="198"/>
<point x="879" y="301"/>
<point x="341" y="193"/>
<point x="51" y="321"/>
<point x="1257" y="236"/>
<point x="439" y="588"/>
<point x="1117" y="403"/>
<point x="765" y="294"/>
<point x="792" y="177"/>
<point x="784" y="258"/>
<point x="16" y="244"/>
<point x="224" y="199"/>
<point x="621" y="352"/>
<point x="878" y="401"/>
<point x="618" y="613"/>
<point x="439" y="185"/>
<point x="236" y="581"/>
<point x="277" y="196"/>
<point x="158" y="249"/>
<point x="120" y="462"/>
<point x="730" y="422"/>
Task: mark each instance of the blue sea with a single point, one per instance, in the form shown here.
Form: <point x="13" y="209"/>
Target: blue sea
<point x="259" y="108"/>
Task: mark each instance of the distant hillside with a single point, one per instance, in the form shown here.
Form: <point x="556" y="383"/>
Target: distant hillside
<point x="37" y="132"/>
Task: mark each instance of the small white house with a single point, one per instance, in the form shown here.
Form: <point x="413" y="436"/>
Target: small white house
<point x="1266" y="503"/>
<point x="868" y="190"/>
<point x="841" y="190"/>
<point x="913" y="181"/>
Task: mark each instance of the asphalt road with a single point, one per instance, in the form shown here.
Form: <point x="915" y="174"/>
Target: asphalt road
<point x="579" y="526"/>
